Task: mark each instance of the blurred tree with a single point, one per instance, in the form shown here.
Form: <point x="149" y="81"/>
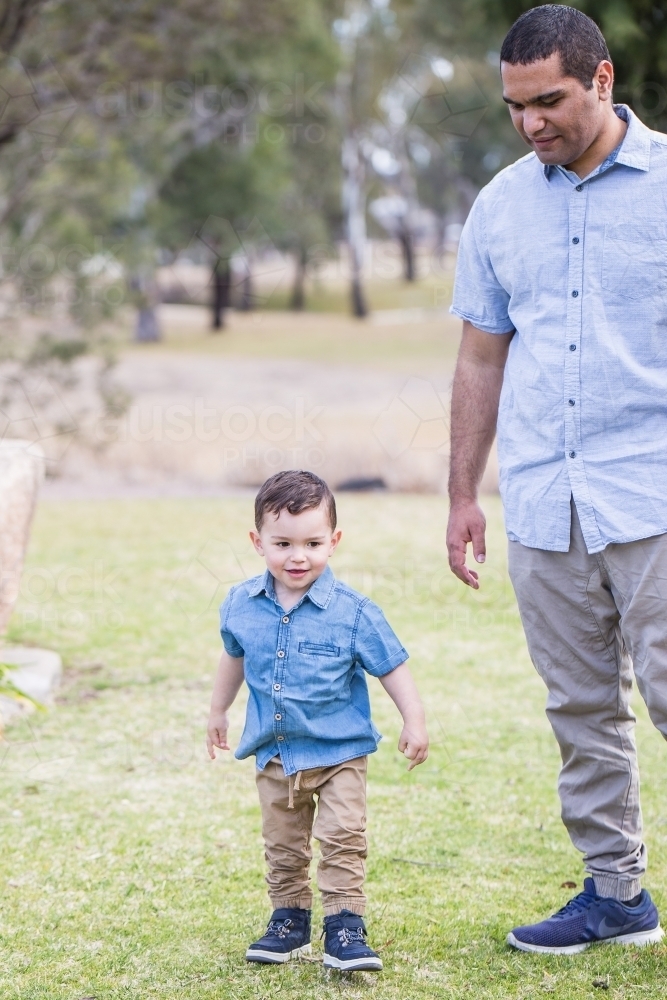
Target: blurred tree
<point x="307" y="218"/>
<point x="212" y="197"/>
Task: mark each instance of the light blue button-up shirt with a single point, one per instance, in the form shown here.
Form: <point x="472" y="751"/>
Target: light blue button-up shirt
<point x="305" y="670"/>
<point x="578" y="268"/>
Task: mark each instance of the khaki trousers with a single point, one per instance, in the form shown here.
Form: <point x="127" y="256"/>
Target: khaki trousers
<point x="289" y="823"/>
<point x="589" y="619"/>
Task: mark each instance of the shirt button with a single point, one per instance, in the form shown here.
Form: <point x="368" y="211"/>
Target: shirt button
<point x="574" y="294"/>
<point x="575" y="239"/>
<point x="573" y="347"/>
<point x="280" y="739"/>
<point x="281" y="653"/>
<point x="573" y="454"/>
<point x="571" y="402"/>
<point x="277" y="716"/>
<point x="276" y="687"/>
<point x="580" y="187"/>
<point x="286" y="620"/>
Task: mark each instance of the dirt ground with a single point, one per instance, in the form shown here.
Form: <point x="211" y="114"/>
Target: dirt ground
<point x="213" y="414"/>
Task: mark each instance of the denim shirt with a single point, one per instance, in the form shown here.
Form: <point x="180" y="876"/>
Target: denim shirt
<point x="578" y="268"/>
<point x="305" y="670"/>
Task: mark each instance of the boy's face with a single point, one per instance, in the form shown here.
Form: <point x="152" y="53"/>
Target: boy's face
<point x="296" y="547"/>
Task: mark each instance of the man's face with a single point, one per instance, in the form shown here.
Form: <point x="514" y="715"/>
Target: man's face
<point x="555" y="114"/>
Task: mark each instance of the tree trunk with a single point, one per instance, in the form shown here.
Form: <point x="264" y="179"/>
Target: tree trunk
<point x="407" y="246"/>
<point x="147" y="329"/>
<point x="247" y="298"/>
<point x="353" y="203"/>
<point x="222" y="281"/>
<point x="298" y="299"/>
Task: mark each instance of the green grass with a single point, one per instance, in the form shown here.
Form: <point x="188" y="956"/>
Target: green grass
<point x="131" y="866"/>
<point x="430" y="291"/>
<point x="329" y="338"/>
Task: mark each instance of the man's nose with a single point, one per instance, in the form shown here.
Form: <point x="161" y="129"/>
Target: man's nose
<point x="533" y="121"/>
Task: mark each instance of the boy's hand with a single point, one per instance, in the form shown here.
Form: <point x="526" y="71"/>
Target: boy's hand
<point x="216" y="735"/>
<point x="413" y="742"/>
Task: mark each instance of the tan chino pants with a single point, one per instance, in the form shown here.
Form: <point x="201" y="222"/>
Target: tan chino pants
<point x="589" y="620"/>
<point x="289" y="822"/>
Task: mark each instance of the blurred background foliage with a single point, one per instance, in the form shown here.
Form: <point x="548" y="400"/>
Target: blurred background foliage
<point x="139" y="134"/>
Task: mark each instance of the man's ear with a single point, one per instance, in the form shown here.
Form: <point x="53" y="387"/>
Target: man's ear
<point x="604" y="79"/>
<point x="257" y="542"/>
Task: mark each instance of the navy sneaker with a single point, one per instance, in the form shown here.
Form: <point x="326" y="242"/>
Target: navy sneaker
<point x="588" y="919"/>
<point x="287" y="936"/>
<point x="345" y="945"/>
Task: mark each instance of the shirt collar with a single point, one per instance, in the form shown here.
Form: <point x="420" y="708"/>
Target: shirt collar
<point x="634" y="151"/>
<point x="319" y="593"/>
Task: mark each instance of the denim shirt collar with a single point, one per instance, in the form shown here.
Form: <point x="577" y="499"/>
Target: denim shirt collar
<point x="319" y="593"/>
<point x="634" y="151"/>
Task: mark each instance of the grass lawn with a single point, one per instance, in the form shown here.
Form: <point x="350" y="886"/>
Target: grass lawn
<point x="323" y="337"/>
<point x="131" y="866"/>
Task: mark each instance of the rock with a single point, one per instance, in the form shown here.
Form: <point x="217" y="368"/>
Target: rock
<point x="37" y="674"/>
<point x="21" y="472"/>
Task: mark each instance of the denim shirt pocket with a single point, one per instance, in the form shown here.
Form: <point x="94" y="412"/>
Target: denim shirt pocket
<point x="319" y="649"/>
<point x="634" y="260"/>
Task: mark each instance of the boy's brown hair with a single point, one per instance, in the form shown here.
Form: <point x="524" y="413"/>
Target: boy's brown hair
<point x="294" y="491"/>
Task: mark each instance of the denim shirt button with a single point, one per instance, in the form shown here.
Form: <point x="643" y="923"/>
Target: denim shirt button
<point x="277" y="716"/>
<point x="276" y="687"/>
<point x="286" y="620"/>
<point x="281" y="653"/>
<point x="280" y="739"/>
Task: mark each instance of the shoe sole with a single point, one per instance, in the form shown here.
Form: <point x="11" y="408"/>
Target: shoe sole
<point x="640" y="939"/>
<point x="276" y="958"/>
<point x="353" y="964"/>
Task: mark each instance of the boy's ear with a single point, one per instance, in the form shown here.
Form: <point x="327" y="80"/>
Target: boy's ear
<point x="335" y="539"/>
<point x="257" y="542"/>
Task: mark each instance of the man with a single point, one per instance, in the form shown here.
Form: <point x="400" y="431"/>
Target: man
<point x="562" y="286"/>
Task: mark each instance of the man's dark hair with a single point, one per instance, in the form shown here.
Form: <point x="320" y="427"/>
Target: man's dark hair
<point x="295" y="492"/>
<point x="540" y="32"/>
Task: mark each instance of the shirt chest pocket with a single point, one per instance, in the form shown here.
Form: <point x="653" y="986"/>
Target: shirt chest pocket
<point x="634" y="261"/>
<point x="319" y="649"/>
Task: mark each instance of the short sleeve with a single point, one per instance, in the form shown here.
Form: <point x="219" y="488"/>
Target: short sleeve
<point x="376" y="646"/>
<point x="478" y="295"/>
<point x="229" y="640"/>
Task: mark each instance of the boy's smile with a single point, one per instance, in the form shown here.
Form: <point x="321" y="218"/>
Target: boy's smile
<point x="296" y="548"/>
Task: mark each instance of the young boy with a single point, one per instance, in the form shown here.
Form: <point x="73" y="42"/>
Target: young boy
<point x="302" y="641"/>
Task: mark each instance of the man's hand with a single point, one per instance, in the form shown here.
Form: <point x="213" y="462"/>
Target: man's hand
<point x="466" y="524"/>
<point x="476" y="390"/>
<point x="413" y="742"/>
<point x="216" y="735"/>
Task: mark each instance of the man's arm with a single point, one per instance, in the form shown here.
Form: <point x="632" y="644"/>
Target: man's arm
<point x="225" y="689"/>
<point x="475" y="396"/>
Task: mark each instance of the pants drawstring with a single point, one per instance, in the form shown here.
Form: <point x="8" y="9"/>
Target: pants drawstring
<point x="294" y="784"/>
